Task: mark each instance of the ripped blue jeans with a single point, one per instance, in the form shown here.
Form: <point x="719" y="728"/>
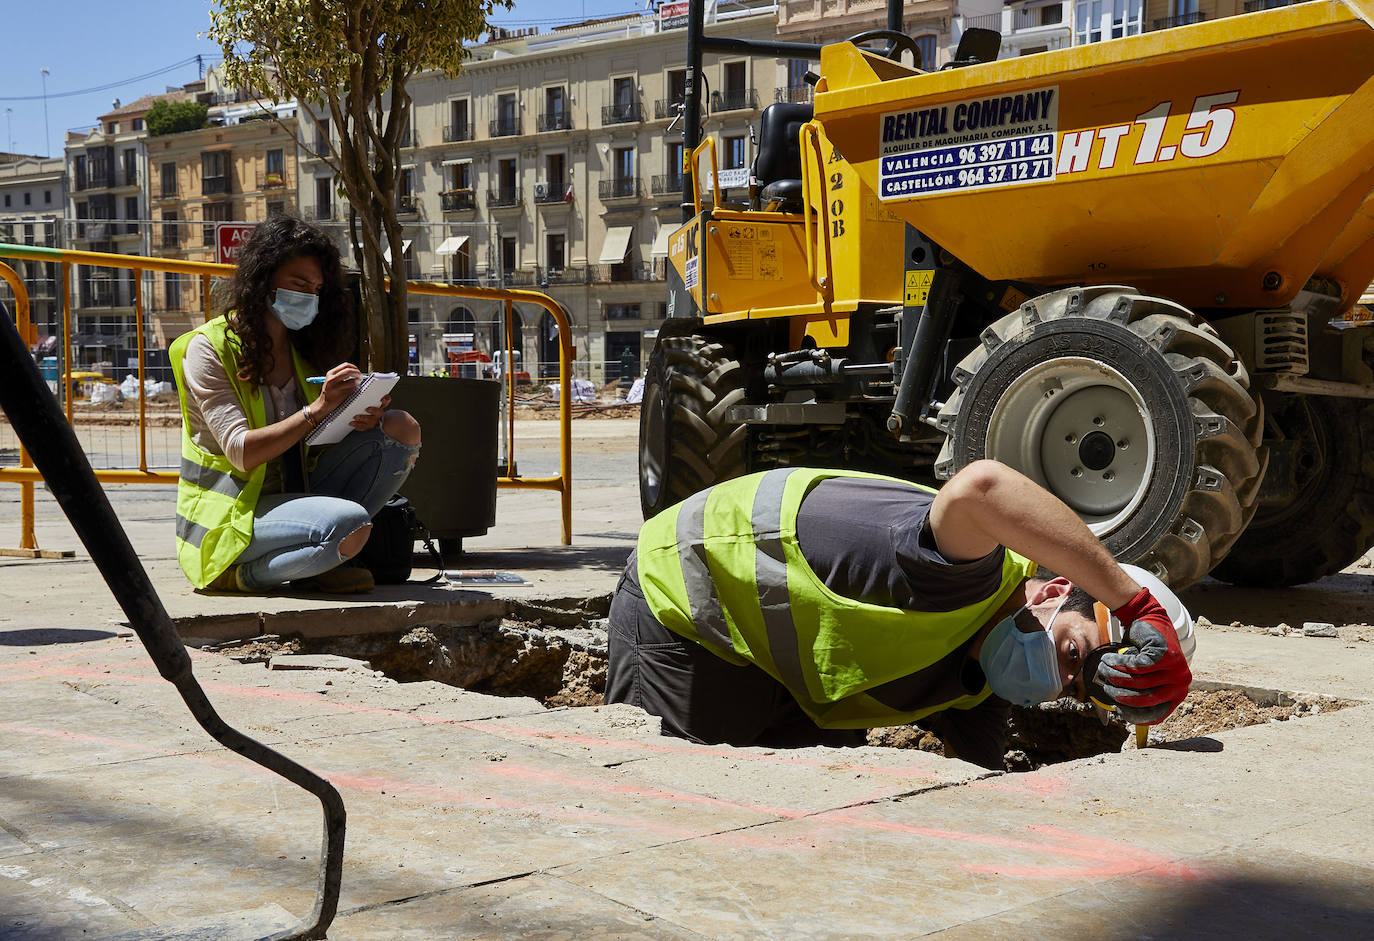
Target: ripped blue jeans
<point x="297" y="535"/>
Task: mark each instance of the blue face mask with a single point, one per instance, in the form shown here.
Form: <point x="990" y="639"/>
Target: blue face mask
<point x="295" y="310"/>
<point x="1021" y="667"/>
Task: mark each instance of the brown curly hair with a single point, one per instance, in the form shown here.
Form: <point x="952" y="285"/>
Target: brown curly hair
<point x="333" y="336"/>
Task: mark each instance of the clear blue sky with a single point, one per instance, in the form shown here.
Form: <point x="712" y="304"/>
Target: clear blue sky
<point x="86" y="44"/>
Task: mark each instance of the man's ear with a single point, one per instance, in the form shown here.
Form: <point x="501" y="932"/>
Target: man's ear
<point x="1038" y="591"/>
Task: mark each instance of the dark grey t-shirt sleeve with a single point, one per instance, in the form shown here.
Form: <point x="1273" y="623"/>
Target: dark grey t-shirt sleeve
<point x="871" y="540"/>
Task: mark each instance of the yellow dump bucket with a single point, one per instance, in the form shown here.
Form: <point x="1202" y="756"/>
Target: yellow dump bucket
<point x="1222" y="164"/>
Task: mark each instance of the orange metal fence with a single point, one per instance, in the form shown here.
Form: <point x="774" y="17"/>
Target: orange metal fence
<point x="26" y="475"/>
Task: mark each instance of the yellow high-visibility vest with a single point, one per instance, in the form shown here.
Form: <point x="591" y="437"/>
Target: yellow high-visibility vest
<point x="724" y="568"/>
<point x="215" y="500"/>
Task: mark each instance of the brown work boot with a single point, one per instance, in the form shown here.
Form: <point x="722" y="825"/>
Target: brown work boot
<point x="345" y="580"/>
<point x="228" y="580"/>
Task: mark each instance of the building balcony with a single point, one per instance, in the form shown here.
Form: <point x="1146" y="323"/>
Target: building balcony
<point x="548" y="193"/>
<point x="504" y="127"/>
<point x="272" y="181"/>
<point x="626" y="112"/>
<point x="664" y="184"/>
<point x="130" y="179"/>
<point x="168" y="240"/>
<point x="317" y="213"/>
<point x="407" y="138"/>
<point x="161" y="194"/>
<point x="666" y="108"/>
<point x="1183" y="19"/>
<point x="520" y="277"/>
<point x="626" y="273"/>
<point x="622" y="188"/>
<point x="457" y="201"/>
<point x="569" y="274"/>
<point x="793" y="94"/>
<point x="737" y="99"/>
<point x="992" y="21"/>
<point x="95" y="181"/>
<point x="456" y="133"/>
<point x="1254" y="6"/>
<point x="214" y="186"/>
<point x="407" y="204"/>
<point x="503" y="198"/>
<point x="555" y="121"/>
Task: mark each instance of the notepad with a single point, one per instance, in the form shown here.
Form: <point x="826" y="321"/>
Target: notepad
<point x="334" y="427"/>
<point x="470" y="578"/>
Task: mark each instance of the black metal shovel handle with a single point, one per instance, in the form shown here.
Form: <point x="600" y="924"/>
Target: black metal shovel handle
<point x="36" y="417"/>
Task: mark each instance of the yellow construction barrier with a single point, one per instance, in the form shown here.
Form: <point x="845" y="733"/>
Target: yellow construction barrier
<point x="26" y="475"/>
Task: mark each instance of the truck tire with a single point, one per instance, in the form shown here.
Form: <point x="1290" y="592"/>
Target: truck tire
<point x="1316" y="508"/>
<point x="686" y="439"/>
<point x="1130" y="409"/>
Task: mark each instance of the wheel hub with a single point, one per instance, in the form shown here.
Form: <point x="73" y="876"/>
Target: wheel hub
<point x="1077" y="427"/>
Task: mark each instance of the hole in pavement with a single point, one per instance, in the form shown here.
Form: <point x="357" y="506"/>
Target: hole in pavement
<point x="555" y="652"/>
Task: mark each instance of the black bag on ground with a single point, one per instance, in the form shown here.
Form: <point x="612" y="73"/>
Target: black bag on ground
<point x="389" y="552"/>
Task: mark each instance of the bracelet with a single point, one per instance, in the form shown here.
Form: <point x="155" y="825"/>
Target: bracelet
<point x="305" y="410"/>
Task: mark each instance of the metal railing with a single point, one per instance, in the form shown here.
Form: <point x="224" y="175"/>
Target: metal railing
<point x="667" y="108"/>
<point x="793" y="94"/>
<point x="555" y="121"/>
<point x="1182" y="19"/>
<point x="318" y="213"/>
<point x="663" y="184"/>
<point x="456" y="133"/>
<point x="407" y="204"/>
<point x="627" y="112"/>
<point x="457" y="201"/>
<point x="503" y="198"/>
<point x="27" y="476"/>
<point x="1254" y="6"/>
<point x="504" y="127"/>
<point x="736" y="99"/>
<point x="622" y="188"/>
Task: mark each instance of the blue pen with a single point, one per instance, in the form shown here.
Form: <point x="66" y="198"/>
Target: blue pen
<point x="319" y="380"/>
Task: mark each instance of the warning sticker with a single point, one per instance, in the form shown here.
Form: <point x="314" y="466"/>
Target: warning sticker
<point x="689" y="274"/>
<point x="751" y="253"/>
<point x="981" y="143"/>
<point x="917" y="288"/>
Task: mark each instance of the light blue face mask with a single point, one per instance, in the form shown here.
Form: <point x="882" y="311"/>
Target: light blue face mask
<point x="295" y="310"/>
<point x="1021" y="667"/>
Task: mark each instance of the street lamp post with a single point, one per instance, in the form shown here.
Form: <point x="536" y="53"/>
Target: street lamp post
<point x="9" y="128"/>
<point x="47" y="135"/>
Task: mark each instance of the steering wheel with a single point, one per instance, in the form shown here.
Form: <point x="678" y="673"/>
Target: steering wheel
<point x="898" y="42"/>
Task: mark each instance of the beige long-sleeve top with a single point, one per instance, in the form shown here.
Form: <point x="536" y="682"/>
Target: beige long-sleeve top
<point x="217" y="422"/>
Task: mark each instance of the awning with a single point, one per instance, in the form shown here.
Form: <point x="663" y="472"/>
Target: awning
<point x="405" y="247"/>
<point x="450" y="245"/>
<point x="455" y="161"/>
<point x="661" y="241"/>
<point x="617" y="244"/>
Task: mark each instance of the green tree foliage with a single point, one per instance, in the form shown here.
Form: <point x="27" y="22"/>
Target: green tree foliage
<point x="174" y="117"/>
<point x="348" y="63"/>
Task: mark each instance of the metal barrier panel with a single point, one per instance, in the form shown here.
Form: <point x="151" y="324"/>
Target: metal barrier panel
<point x="150" y="462"/>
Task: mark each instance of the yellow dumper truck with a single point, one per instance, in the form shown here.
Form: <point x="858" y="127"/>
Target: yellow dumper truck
<point x="1128" y="269"/>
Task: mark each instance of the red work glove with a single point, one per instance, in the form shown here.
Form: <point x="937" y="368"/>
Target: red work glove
<point x="1149" y="680"/>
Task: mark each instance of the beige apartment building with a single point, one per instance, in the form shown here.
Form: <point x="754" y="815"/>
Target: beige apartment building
<point x="107" y="211"/>
<point x="233" y="172"/>
<point x="32" y="194"/>
<point x="928" y="22"/>
<point x="549" y="163"/>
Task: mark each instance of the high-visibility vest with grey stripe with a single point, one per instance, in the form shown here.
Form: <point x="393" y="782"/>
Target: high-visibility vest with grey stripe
<point x="215" y="501"/>
<point x="724" y="568"/>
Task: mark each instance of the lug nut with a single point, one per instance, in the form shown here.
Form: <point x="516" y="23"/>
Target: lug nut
<point x="1099" y="420"/>
<point x="1076" y="472"/>
<point x="1071" y="437"/>
<point x="1123" y="444"/>
<point x="1108" y="476"/>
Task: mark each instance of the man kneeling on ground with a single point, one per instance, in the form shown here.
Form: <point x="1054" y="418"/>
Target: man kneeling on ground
<point x="800" y="607"/>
